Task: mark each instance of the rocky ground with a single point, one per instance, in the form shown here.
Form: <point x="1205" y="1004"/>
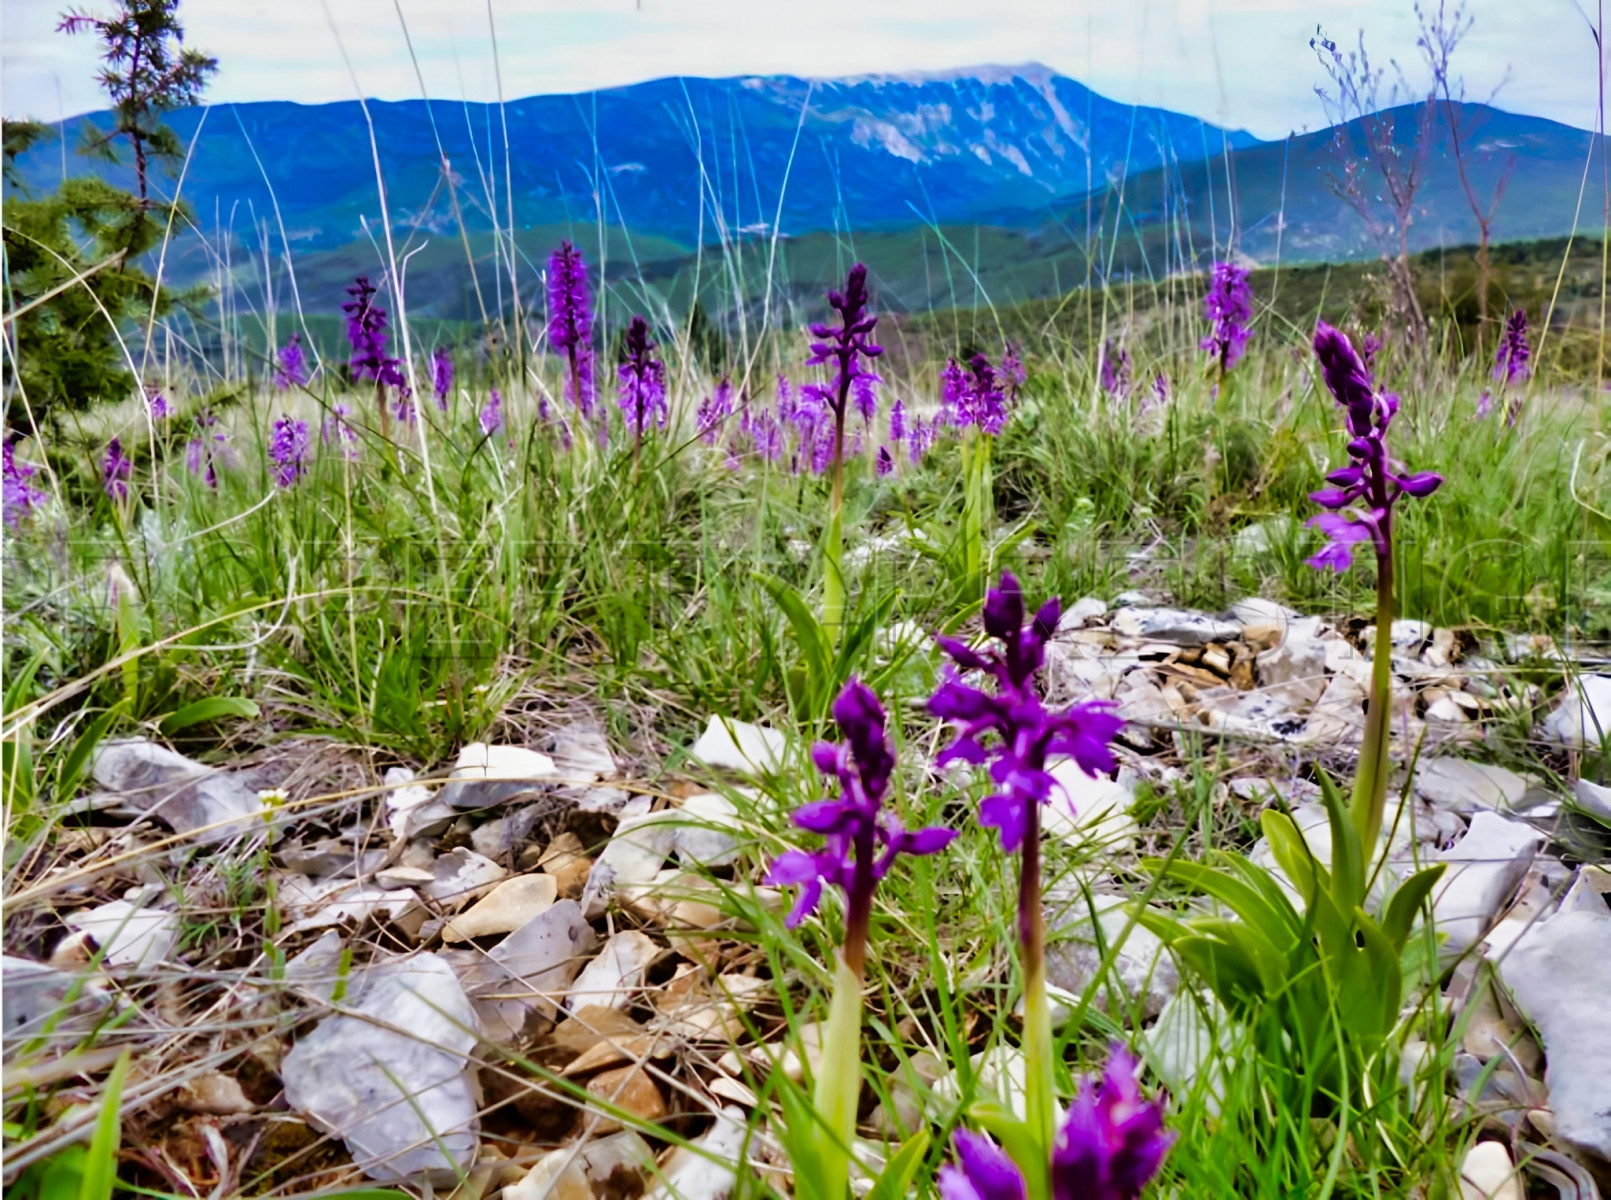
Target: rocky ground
<point x="477" y="978"/>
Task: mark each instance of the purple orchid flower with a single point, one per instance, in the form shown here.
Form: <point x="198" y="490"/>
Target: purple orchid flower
<point x="366" y="333"/>
<point x="1229" y="309"/>
<point x="207" y="446"/>
<point x="972" y="395"/>
<point x="849" y="347"/>
<point x="441" y="376"/>
<point x="570" y="322"/>
<point x="288" y="450"/>
<point x="643" y="382"/>
<point x="714" y="409"/>
<point x="897" y="422"/>
<point x="1510" y="363"/>
<point x="491" y="415"/>
<point x="290" y="361"/>
<point x="338" y="429"/>
<point x="1026" y="734"/>
<point x="161" y="410"/>
<point x="1361" y="499"/>
<point x="885" y="463"/>
<point x="116" y="468"/>
<point x="1116" y="371"/>
<point x="1111" y="1143"/>
<point x="862" y="839"/>
<point x="18" y="497"/>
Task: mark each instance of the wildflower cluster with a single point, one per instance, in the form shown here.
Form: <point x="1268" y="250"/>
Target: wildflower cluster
<point x="973" y="395"/>
<point x="643" y="381"/>
<point x="1116" y="371"/>
<point x="1360" y="501"/>
<point x="207" y="446"/>
<point x="20" y="497"/>
<point x="116" y="468"/>
<point x="441" y="376"/>
<point x="1511" y="360"/>
<point x="288" y="450"/>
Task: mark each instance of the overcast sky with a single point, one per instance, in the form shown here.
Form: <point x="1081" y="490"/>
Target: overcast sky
<point x="1246" y="63"/>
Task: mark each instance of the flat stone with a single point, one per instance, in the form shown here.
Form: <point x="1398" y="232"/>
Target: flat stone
<point x="186" y="796"/>
<point x="316" y="969"/>
<point x="524" y="976"/>
<point x="487" y="775"/>
<point x="582" y="755"/>
<point x="412" y="809"/>
<point x="1083" y="809"/>
<point x="1560" y="976"/>
<point x="1484" y="868"/>
<point x="1461" y="786"/>
<point x="214" y="1094"/>
<point x="1177" y="626"/>
<point x="393" y="1079"/>
<point x="612" y="978"/>
<point x="708" y="832"/>
<point x="1594" y="800"/>
<point x="330" y="856"/>
<point x="628" y="1088"/>
<point x="600" y="1169"/>
<point x="1294" y="666"/>
<point x="1082" y="612"/>
<point x="511" y="905"/>
<point x="740" y="746"/>
<point x="34" y="996"/>
<point x="129" y="936"/>
<point x="460" y="875"/>
<point x="633" y="857"/>
<point x="565" y="861"/>
<point x="316" y="904"/>
<point x="706" y="1169"/>
<point x="1582" y="717"/>
<point x="1488" y="1174"/>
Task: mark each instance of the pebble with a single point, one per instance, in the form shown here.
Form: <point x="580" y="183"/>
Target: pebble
<point x="183" y="794"/>
<point x="393" y="1079"/>
<point x="628" y="1088"/>
<point x="129" y="936"/>
<point x="633" y="856"/>
<point x="740" y="746"/>
<point x="1177" y="626"/>
<point x="1594" y="800"/>
<point x="1143" y="970"/>
<point x="565" y="861"/>
<point x="1484" y="868"/>
<point x="1082" y="612"/>
<point x="33" y="995"/>
<point x="487" y="775"/>
<point x="707" y="1169"/>
<point x="1083" y="809"/>
<point x="524" y="976"/>
<point x="460" y="875"/>
<point x="708" y="832"/>
<point x="1582" y="717"/>
<point x="1460" y="786"/>
<point x="1488" y="1174"/>
<point x="507" y="907"/>
<point x="612" y="978"/>
<point x="573" y="1172"/>
<point x="412" y="809"/>
<point x="582" y="755"/>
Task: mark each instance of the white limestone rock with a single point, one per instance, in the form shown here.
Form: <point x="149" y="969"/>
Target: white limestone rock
<point x="740" y="746"/>
<point x="1096" y="810"/>
<point x="487" y="775"/>
<point x="129" y="936"/>
<point x="1560" y="976"/>
<point x="185" y="795"/>
<point x="393" y="1079"/>
<point x="1460" y="786"/>
<point x="1143" y="970"/>
<point x="1484" y="868"/>
<point x="1582" y="718"/>
<point x="507" y="907"/>
<point x="1180" y="627"/>
<point x="612" y="978"/>
<point x="525" y="976"/>
<point x="708" y="831"/>
<point x="632" y="858"/>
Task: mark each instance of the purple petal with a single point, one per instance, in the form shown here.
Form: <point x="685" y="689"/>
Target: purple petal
<point x="1421" y="484"/>
<point x="991" y="1175"/>
<point x="929" y="840"/>
<point x="960" y="653"/>
<point x="822" y="816"/>
<point x="790" y="868"/>
<point x="1008" y="814"/>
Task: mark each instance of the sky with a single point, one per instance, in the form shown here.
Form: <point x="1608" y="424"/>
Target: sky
<point x="1244" y="63"/>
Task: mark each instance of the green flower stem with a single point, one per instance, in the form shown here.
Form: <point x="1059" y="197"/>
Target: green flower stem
<point x="1040" y="1099"/>
<point x="838" y="1084"/>
<point x="833" y="544"/>
<point x="1370" y="784"/>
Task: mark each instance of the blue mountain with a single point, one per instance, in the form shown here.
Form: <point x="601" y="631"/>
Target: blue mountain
<point x="690" y="160"/>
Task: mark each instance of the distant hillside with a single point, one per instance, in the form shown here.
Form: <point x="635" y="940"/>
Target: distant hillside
<point x="1276" y="199"/>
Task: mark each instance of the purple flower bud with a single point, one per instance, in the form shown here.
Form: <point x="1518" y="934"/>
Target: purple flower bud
<point x="643" y="381"/>
<point x="1485" y="405"/>
<point x="982" y="1171"/>
<point x="897" y="422"/>
<point x="713" y="411"/>
<point x="1115" y="371"/>
<point x="161" y="410"/>
<point x="1022" y="733"/>
<point x="886" y="462"/>
<point x="491" y="415"/>
<point x="1113" y="1141"/>
<point x="366" y="332"/>
<point x="288" y="450"/>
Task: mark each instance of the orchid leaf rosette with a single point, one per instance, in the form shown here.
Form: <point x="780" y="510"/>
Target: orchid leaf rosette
<point x="862" y="840"/>
<point x="1009" y="729"/>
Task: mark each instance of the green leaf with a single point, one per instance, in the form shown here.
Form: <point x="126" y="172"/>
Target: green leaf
<point x="895" y="1181"/>
<point x="213" y="708"/>
<point x="1292" y="854"/>
<point x="1225" y="967"/>
<point x="1242" y="898"/>
<point x="800" y="1138"/>
<point x="77" y="760"/>
<point x="1406" y="904"/>
<point x="1347" y="853"/>
<point x="100" y="1165"/>
<point x="809" y="636"/>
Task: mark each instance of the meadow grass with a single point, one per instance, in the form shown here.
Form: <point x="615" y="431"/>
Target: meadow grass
<point x="451" y="586"/>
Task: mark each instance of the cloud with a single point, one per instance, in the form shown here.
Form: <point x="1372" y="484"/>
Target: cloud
<point x="1243" y="62"/>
